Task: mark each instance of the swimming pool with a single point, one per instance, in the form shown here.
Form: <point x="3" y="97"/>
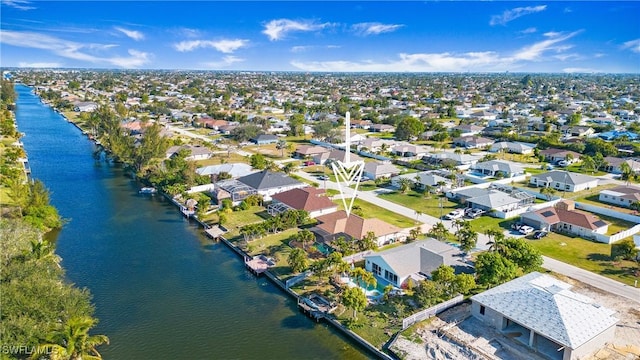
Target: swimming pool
<point x="372" y="292"/>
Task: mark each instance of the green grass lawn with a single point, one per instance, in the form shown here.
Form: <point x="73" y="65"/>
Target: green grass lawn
<point x="237" y="219"/>
<point x="415" y="200"/>
<point x="615" y="225"/>
<point x="534" y="171"/>
<point x="593" y="200"/>
<point x="483" y="223"/>
<point x="222" y="158"/>
<point x="585" y="254"/>
<point x="369" y="211"/>
<point x="273" y="243"/>
<point x="577" y="168"/>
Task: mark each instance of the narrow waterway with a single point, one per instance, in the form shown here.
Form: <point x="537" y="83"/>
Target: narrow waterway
<point x="161" y="289"/>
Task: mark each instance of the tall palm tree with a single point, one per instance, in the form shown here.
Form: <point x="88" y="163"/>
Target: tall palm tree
<point x="72" y="341"/>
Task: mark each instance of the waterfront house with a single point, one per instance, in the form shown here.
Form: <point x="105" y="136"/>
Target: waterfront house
<point x="621" y="195"/>
<point x="193" y="152"/>
<point x="268" y="183"/>
<point x="564" y="181"/>
<point x="542" y="312"/>
<point x="87" y="106"/>
<point x="313" y="200"/>
<point x="564" y="217"/>
<point x="414" y="262"/>
<point x="337" y="224"/>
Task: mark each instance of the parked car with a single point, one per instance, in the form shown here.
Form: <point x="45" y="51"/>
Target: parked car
<point x="323" y="177"/>
<point x="309" y="163"/>
<point x="455" y="214"/>
<point x="473" y="213"/>
<point x="516" y="226"/>
<point x="540" y="234"/>
<point x="563" y="163"/>
<point x="526" y="230"/>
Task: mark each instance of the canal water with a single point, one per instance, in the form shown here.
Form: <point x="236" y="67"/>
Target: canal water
<point x="161" y="289"/>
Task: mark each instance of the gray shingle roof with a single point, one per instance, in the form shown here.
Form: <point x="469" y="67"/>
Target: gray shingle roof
<point x="266" y="180"/>
<point x="565" y="177"/>
<point x="546" y="305"/>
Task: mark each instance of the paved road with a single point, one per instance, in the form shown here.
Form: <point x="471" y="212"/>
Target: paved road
<point x="428" y="221"/>
<point x="592" y="279"/>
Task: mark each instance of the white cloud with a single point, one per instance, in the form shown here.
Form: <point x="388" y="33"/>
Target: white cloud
<point x="535" y="51"/>
<point x="278" y="29"/>
<point x="71" y="49"/>
<point x="530" y="30"/>
<point x="633" y="45"/>
<point x="303" y="48"/>
<point x="509" y="15"/>
<point x="479" y="61"/>
<point x="134" y="34"/>
<point x="18" y="4"/>
<point x="580" y="70"/>
<point x="374" y="28"/>
<point x="224" y="46"/>
<point x="39" y="65"/>
<point x="225" y="62"/>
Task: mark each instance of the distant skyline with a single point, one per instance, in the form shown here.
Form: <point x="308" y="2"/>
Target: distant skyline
<point x="330" y="36"/>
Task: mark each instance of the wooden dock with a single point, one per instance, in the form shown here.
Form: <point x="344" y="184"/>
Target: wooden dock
<point x="258" y="264"/>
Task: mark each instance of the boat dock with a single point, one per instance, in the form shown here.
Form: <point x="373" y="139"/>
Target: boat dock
<point x="258" y="264"/>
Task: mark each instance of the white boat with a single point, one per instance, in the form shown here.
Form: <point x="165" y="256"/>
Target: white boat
<point x="148" y="190"/>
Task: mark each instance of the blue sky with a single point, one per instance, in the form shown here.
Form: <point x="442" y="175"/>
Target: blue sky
<point x="334" y="36"/>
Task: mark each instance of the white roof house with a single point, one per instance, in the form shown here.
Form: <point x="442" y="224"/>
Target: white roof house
<point x="564" y="181"/>
<point x="540" y="311"/>
<point x="414" y="261"/>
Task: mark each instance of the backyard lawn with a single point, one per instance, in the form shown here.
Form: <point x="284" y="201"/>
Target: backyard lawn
<point x="369" y="210"/>
<point x="237" y="219"/>
<point x="593" y="200"/>
<point x="585" y="254"/>
<point x="429" y="205"/>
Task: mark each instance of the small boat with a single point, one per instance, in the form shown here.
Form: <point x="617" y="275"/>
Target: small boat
<point x="148" y="190"/>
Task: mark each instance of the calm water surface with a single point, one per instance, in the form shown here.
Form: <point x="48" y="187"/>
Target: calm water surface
<point x="162" y="290"/>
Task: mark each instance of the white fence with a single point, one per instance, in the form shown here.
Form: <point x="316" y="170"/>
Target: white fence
<point x="201" y="188"/>
<point x="610" y="239"/>
<point x="517" y="212"/>
<point x="432" y="311"/>
<point x="356" y="257"/>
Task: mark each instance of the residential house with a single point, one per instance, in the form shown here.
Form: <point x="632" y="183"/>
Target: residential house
<point x="264" y="139"/>
<point x="308" y="151"/>
<point x="337" y="224"/>
<point x="210" y="123"/>
<point x="382" y="128"/>
<point x="414" y="262"/>
<point x="614" y="164"/>
<point x="268" y="183"/>
<point x="361" y="124"/>
<point x="616" y="134"/>
<point x="473" y="142"/>
<point x="491" y="199"/>
<point x="621" y="195"/>
<point x="469" y="130"/>
<point x="423" y="179"/>
<point x="564" y="217"/>
<point x="513" y="147"/>
<point x="374" y="144"/>
<point x="376" y="170"/>
<point x="193" y="152"/>
<point x="234" y="170"/>
<point x="580" y="131"/>
<point x="542" y="312"/>
<point x="333" y="155"/>
<point x="312" y="200"/>
<point x="564" y="181"/>
<point x="498" y="168"/>
<point x="462" y="161"/>
<point x="409" y="150"/>
<point x="553" y="155"/>
<point x="86" y="106"/>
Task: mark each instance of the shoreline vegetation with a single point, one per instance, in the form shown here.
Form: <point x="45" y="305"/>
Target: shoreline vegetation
<point x="43" y="315"/>
<point x="372" y="323"/>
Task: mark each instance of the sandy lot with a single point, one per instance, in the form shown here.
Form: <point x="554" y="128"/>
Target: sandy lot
<point x="456" y="335"/>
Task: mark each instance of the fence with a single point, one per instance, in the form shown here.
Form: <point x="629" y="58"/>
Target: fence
<point x="201" y="188"/>
<point x="296" y="279"/>
<point x="356" y="257"/>
<point x="432" y="311"/>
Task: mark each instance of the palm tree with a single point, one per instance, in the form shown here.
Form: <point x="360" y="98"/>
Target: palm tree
<point x="418" y="214"/>
<point x="72" y="341"/>
<point x="405" y="185"/>
<point x="439" y="232"/>
<point x="496" y="242"/>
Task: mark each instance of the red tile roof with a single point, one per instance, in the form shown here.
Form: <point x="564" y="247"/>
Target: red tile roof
<point x="308" y="198"/>
<point x="354" y="225"/>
